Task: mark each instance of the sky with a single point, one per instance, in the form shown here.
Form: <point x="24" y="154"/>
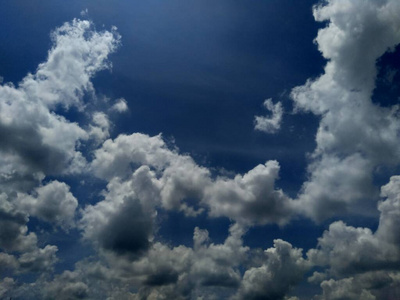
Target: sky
<point x="200" y="149"/>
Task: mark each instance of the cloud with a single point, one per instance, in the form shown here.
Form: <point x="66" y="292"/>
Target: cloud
<point x="66" y="286"/>
<point x="337" y="186"/>
<point x="347" y="288"/>
<point x="52" y="203"/>
<point x="21" y="253"/>
<point x="273" y="123"/>
<point x="14" y="234"/>
<point x="78" y="53"/>
<point x="371" y="285"/>
<point x="120" y="105"/>
<point x="352" y="129"/>
<point x="283" y="269"/>
<point x="124" y="221"/>
<point x="144" y="175"/>
<point x="35" y="139"/>
<point x="356" y="254"/>
<point x="176" y="272"/>
<point x="6" y="284"/>
<point x="206" y="271"/>
<point x="100" y="130"/>
<point x="249" y="198"/>
<point x="39" y="260"/>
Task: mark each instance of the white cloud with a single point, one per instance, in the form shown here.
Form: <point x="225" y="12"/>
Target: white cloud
<point x="273" y="123"/>
<point x="250" y="198"/>
<point x="121" y="156"/>
<point x="100" y="130"/>
<point x="120" y="105"/>
<point x="52" y="203"/>
<point x="36" y="140"/>
<point x="78" y="53"/>
<point x="351" y="126"/>
<point x="337" y="186"/>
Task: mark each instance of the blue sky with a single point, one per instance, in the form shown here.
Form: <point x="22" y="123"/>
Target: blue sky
<point x="199" y="149"/>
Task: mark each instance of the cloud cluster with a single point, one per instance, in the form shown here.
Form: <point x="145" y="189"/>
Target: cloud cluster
<point x="143" y="176"/>
<point x="250" y="198"/>
<point x="204" y="271"/>
<point x="38" y="141"/>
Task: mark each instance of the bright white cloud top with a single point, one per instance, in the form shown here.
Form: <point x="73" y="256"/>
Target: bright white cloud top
<point x="44" y="146"/>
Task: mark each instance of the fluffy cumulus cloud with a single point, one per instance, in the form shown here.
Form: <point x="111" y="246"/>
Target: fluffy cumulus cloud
<point x="52" y="203"/>
<point x="355" y="136"/>
<point x="249" y="198"/>
<point x="273" y="123"/>
<point x="35" y="139"/>
<point x="143" y="178"/>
